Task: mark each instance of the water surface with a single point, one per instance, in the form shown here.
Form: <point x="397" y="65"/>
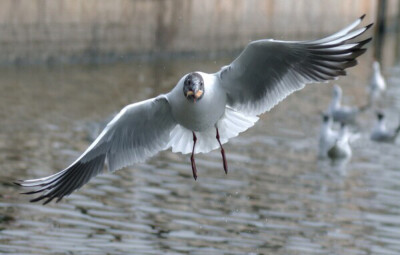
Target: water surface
<point x="277" y="198"/>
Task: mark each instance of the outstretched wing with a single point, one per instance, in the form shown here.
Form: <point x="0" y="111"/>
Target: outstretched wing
<point x="267" y="71"/>
<point x="138" y="132"/>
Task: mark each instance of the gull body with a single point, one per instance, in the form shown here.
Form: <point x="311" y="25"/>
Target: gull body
<point x="377" y="83"/>
<point x="327" y="137"/>
<point x="341" y="148"/>
<point x="380" y="132"/>
<point x="203" y="111"/>
<point x="342" y="113"/>
<point x="203" y="114"/>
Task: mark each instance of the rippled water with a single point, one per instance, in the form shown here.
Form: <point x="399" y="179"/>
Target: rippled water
<point x="277" y="198"/>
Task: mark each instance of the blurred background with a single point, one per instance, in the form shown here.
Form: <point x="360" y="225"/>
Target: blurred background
<point x="67" y="66"/>
<point x="95" y="31"/>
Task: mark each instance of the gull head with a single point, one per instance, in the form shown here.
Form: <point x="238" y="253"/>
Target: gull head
<point x="325" y="118"/>
<point x="343" y="129"/>
<point x="193" y="87"/>
<point x="337" y="91"/>
<point x="376" y="66"/>
<point x="380" y="116"/>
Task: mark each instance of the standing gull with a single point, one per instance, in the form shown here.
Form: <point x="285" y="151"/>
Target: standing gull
<point x="327" y="136"/>
<point x="377" y="83"/>
<point x="203" y="111"/>
<point x="380" y="133"/>
<point x="341" y="148"/>
<point x="340" y="113"/>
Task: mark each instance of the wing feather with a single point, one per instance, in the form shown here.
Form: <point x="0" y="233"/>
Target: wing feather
<point x="342" y="32"/>
<point x="138" y="132"/>
<point x="267" y="71"/>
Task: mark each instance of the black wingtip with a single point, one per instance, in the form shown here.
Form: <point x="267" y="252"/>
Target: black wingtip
<point x="50" y="198"/>
<point x="18" y="183"/>
<point x="32" y="192"/>
<point x="368" y="26"/>
<point x="363" y="42"/>
<point x="27" y="193"/>
<point x="359" y="52"/>
<point x="351" y="63"/>
<point x="362" y="16"/>
<point x="36" y="199"/>
<point x="47" y="201"/>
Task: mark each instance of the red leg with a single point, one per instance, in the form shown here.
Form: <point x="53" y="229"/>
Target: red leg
<point x="222" y="153"/>
<point x="194" y="170"/>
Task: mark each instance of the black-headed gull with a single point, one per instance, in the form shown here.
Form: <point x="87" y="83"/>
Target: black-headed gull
<point x="203" y="111"/>
<point x="380" y="133"/>
<point x="327" y="136"/>
<point x="340" y="113"/>
<point x="377" y="83"/>
<point x="341" y="148"/>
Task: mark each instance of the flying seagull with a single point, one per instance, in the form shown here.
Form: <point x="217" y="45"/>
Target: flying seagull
<point x="203" y="111"/>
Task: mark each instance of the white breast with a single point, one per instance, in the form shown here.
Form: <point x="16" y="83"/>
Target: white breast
<point x="203" y="114"/>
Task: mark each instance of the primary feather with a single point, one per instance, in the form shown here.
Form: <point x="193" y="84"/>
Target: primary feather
<point x="138" y="132"/>
<point x="267" y="71"/>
